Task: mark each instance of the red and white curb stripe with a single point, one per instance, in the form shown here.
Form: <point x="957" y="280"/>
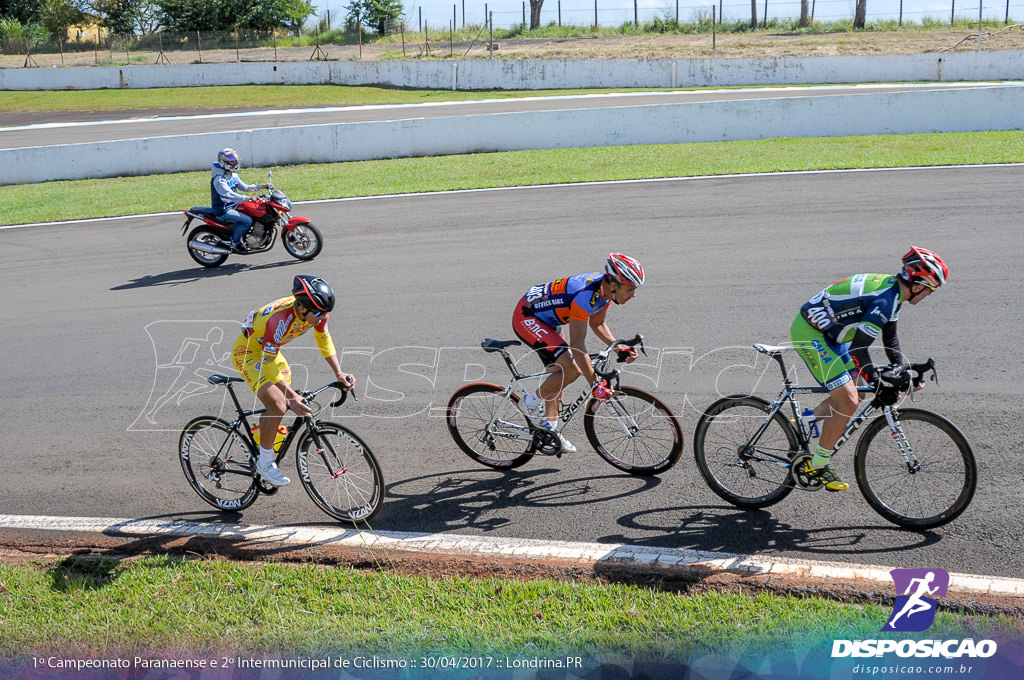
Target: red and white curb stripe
<point x="585" y="554"/>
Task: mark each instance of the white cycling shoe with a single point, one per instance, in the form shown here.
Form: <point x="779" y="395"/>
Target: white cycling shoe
<point x="539" y="418"/>
<point x="567" y="446"/>
<point x="272" y="474"/>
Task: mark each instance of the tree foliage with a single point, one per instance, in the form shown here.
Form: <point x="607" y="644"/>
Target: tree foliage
<point x="377" y="15"/>
<point x="225" y="15"/>
<point x="57" y="16"/>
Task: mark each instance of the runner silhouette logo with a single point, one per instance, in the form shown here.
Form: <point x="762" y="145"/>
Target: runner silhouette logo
<point x="915" y="606"/>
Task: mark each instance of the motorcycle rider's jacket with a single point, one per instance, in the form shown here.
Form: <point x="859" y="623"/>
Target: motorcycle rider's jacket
<point x="223" y="196"/>
<point x="269" y="327"/>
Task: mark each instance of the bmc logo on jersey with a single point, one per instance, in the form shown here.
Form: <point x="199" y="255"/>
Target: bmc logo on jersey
<point x="914" y="609"/>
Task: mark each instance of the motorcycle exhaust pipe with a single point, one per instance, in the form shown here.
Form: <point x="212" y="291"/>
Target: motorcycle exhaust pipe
<point x="207" y="248"/>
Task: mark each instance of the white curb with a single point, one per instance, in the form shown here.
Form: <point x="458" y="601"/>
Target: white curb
<point x="583" y="553"/>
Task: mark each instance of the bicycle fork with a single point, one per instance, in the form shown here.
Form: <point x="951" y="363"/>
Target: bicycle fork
<point x="900" y="437"/>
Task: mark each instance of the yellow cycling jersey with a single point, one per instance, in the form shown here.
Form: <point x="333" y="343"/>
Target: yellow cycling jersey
<point x="275" y="324"/>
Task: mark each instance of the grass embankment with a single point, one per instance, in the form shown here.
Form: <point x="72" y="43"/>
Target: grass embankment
<point x="107" y="607"/>
<point x="64" y="200"/>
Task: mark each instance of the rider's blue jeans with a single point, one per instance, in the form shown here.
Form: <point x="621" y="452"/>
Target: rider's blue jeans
<point x="241" y="223"/>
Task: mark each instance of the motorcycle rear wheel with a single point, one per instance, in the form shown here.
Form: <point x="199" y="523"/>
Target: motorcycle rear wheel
<point x="304" y="242"/>
<point x="203" y="234"/>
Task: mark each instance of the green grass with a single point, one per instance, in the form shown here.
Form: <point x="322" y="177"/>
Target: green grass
<point x="53" y="201"/>
<point x="261" y="96"/>
<point x="106" y="607"/>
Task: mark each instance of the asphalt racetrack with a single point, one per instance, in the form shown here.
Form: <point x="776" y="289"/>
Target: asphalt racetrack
<point x="111" y="329"/>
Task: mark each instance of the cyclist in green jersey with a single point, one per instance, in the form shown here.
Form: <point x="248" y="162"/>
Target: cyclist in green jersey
<point x="833" y="331"/>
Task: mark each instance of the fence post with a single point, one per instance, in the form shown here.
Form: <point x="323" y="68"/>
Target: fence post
<point x="490" y="36"/>
<point x="765" y="20"/>
<point x="980" y="4"/>
<point x="714" y="32"/>
<point x="199" y="46"/>
<point x="636" y="17"/>
<point x="559" y="13"/>
<point x="237" y="57"/>
<point x="595" y="14"/>
<point x="952" y="12"/>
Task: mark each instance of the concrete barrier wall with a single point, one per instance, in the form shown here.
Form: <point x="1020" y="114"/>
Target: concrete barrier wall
<point x="956" y="110"/>
<point x="529" y="74"/>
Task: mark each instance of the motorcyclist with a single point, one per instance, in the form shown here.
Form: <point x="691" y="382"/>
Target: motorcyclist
<point x="225" y="197"/>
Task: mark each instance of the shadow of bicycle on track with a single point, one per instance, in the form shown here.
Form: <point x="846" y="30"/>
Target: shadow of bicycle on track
<point x="726" y="529"/>
<point x="474" y="500"/>
<point x="194" y="274"/>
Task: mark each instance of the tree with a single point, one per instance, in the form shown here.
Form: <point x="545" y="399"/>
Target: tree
<point x="377" y="14"/>
<point x="753" y="13"/>
<point x="18" y="37"/>
<point x="23" y="11"/>
<point x="124" y="17"/>
<point x="265" y="15"/>
<point x="57" y="16"/>
<point x="225" y="15"/>
<point x="805" y="14"/>
<point x="535" y="6"/>
<point x="860" y="14"/>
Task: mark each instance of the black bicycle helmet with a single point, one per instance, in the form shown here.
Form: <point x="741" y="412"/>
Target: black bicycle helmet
<point x="313" y="292"/>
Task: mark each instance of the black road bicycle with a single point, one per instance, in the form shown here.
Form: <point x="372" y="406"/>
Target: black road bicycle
<point x="633" y="430"/>
<point x="336" y="467"/>
<point x="914" y="467"/>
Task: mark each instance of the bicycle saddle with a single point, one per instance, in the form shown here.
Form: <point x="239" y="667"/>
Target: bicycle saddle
<point x="492" y="345"/>
<point x="218" y="379"/>
<point x="773" y="349"/>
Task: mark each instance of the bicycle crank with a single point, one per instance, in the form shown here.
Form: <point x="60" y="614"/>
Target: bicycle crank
<point x="545" y="442"/>
<point x="800" y="477"/>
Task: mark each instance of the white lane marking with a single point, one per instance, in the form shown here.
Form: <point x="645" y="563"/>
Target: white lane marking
<point x="492" y="546"/>
<point x="563" y="185"/>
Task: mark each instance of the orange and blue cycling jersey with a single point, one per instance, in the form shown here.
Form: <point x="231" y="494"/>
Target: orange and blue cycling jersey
<point x="545" y="307"/>
<point x="257" y="351"/>
<point x="573" y="297"/>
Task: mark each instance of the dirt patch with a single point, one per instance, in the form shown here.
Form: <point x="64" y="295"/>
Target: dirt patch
<point x="654" y="46"/>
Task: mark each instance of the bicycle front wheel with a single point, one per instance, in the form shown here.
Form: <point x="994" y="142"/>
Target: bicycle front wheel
<point x="216" y="460"/>
<point x="742" y="454"/>
<point x="934" y="488"/>
<point x="469" y="415"/>
<point x="340" y="473"/>
<point x="634" y="432"/>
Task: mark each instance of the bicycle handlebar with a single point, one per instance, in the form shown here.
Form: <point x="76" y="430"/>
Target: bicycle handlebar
<point x="904" y="375"/>
<point x="344" y="388"/>
<point x="602" y="357"/>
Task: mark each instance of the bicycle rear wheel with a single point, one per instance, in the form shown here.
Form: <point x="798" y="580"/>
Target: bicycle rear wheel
<point x="340" y="473"/>
<point x="216" y="459"/>
<point x="469" y="414"/>
<point x="748" y="469"/>
<point x="933" y="493"/>
<point x="634" y="432"/>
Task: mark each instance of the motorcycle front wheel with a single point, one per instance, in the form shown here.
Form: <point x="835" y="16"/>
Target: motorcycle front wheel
<point x="304" y="242"/>
<point x="203" y="234"/>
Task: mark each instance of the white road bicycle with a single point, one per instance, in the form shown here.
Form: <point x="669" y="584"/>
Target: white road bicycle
<point x="633" y="430"/>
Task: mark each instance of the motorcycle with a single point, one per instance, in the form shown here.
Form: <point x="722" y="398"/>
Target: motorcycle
<point x="209" y="244"/>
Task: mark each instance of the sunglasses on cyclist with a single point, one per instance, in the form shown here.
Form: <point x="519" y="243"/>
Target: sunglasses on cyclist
<point x="306" y="310"/>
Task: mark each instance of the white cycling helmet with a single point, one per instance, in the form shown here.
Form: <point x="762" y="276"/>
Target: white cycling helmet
<point x="624" y="269"/>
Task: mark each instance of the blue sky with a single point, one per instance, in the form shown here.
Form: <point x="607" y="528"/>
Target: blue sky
<point x="438" y="13"/>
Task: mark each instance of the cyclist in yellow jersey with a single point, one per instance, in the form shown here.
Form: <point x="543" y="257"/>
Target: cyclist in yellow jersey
<point x="257" y="356"/>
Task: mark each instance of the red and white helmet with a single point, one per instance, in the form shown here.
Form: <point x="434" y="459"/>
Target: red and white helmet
<point x="924" y="267"/>
<point x="624" y="269"/>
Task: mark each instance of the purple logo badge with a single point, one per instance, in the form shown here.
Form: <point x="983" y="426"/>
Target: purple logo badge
<point x="914" y="610"/>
